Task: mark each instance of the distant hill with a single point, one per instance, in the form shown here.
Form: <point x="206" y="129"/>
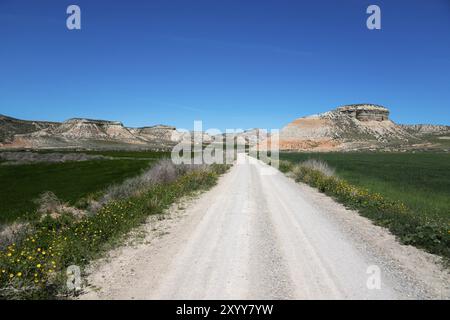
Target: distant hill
<point x="9" y="127"/>
<point x="83" y="133"/>
<point x="359" y="127"/>
<point x="347" y="128"/>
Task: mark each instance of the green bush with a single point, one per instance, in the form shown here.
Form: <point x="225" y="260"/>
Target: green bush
<point x="285" y="166"/>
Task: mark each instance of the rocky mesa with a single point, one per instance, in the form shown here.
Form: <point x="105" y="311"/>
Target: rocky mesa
<point x="356" y="127"/>
<point x="83" y="133"/>
<point x="353" y="127"/>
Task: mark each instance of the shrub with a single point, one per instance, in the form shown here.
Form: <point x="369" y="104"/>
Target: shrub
<point x="12" y="233"/>
<point x="48" y="203"/>
<point x="164" y="171"/>
<point x="17" y="158"/>
<point x="285" y="166"/>
<point x="319" y="165"/>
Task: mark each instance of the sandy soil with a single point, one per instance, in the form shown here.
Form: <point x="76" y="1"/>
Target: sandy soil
<point x="260" y="235"/>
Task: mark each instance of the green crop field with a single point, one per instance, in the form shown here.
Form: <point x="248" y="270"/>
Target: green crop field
<point x="20" y="185"/>
<point x="419" y="180"/>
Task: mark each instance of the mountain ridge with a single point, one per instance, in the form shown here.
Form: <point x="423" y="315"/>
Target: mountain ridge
<point x="346" y="128"/>
<point x="78" y="133"/>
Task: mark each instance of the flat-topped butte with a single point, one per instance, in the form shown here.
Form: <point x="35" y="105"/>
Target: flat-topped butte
<point x="365" y="112"/>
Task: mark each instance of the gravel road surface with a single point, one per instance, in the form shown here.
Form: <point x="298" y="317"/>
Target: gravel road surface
<point x="260" y="235"/>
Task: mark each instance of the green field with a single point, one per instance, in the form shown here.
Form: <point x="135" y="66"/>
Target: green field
<point x="419" y="180"/>
<point x="20" y="185"/>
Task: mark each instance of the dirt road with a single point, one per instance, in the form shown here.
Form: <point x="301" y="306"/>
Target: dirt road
<point x="260" y="235"/>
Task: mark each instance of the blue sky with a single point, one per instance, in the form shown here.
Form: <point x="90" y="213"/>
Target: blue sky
<point x="230" y="63"/>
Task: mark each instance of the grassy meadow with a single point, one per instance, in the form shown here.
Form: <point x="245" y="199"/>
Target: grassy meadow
<point x="420" y="180"/>
<point x="21" y="185"/>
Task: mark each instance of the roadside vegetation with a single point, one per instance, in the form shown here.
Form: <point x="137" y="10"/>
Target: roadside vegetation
<point x="132" y="154"/>
<point x="136" y="154"/>
<point x="407" y="193"/>
<point x="34" y="261"/>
